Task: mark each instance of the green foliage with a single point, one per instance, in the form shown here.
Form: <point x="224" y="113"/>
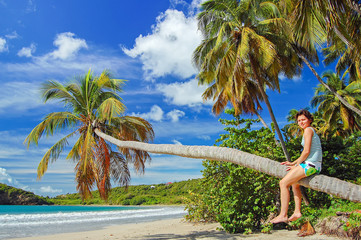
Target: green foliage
<point x="241" y="199"/>
<point x="174" y="193"/>
<point x="18" y="196"/>
<point x="197" y="210"/>
<point x="237" y="197"/>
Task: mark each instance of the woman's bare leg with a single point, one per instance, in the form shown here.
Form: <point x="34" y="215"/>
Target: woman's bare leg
<point x="298" y="201"/>
<point x="292" y="177"/>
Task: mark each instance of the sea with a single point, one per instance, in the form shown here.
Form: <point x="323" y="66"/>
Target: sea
<point x="28" y="221"/>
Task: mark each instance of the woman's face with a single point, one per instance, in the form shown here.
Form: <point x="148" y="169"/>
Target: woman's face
<point x="303" y="121"/>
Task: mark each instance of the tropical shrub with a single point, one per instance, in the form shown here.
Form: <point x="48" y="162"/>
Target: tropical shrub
<point x="240" y="199"/>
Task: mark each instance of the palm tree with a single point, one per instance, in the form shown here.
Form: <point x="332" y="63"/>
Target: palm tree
<point x="244" y="101"/>
<point x="92" y="99"/>
<point x="314" y="21"/>
<point x="339" y="119"/>
<point x="240" y="49"/>
<point x="319" y="182"/>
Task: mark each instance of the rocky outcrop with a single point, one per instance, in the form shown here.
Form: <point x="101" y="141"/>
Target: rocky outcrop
<point x="14" y="196"/>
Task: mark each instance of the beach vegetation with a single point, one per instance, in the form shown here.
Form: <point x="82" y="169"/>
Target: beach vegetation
<point x="161" y="194"/>
<point x="242" y="199"/>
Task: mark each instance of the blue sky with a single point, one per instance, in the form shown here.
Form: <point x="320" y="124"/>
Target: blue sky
<point x="149" y="43"/>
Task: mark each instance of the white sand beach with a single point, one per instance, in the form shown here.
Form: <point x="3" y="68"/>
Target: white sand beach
<point x="171" y="229"/>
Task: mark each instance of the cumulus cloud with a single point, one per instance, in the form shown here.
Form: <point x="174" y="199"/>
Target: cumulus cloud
<point x="67" y="60"/>
<point x="155" y="114"/>
<point x="49" y="189"/>
<point x="175" y="115"/>
<point x="27" y="51"/>
<point x="67" y="45"/>
<point x="3" y="45"/>
<point x="183" y="93"/>
<point x="168" y="50"/>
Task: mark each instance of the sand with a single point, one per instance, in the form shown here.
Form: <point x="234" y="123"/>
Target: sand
<point x="171" y="229"/>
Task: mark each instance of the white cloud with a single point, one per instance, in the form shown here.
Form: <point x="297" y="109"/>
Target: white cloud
<point x="176" y="142"/>
<point x="5" y="178"/>
<point x="49" y="189"/>
<point x="183" y="94"/>
<point x="67" y="45"/>
<point x="175" y="115"/>
<point x="12" y="35"/>
<point x="283" y="77"/>
<point x="168" y="50"/>
<point x="3" y="45"/>
<point x="155" y="114"/>
<point x="27" y="51"/>
<point x="204" y="137"/>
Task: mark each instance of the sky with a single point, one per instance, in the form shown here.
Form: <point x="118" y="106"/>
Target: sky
<point x="148" y="43"/>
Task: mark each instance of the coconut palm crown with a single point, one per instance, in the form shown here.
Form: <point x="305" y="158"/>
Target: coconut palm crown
<point x="92" y="100"/>
<point x="340" y="120"/>
<point x="242" y="54"/>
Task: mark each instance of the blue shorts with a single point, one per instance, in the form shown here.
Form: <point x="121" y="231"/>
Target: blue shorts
<point x="309" y="170"/>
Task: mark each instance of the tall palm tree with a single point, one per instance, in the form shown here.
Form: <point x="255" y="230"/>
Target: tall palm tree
<point x="240" y="49"/>
<point x="92" y="99"/>
<point x="315" y="21"/>
<point x="339" y="119"/>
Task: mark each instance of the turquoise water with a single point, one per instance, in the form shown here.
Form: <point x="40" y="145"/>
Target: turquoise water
<point x="19" y="209"/>
<point x="25" y="221"/>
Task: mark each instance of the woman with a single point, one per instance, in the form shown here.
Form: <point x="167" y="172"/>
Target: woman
<point x="307" y="164"/>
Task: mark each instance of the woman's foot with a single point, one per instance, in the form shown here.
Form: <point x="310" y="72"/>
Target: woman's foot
<point x="279" y="219"/>
<point x="295" y="216"/>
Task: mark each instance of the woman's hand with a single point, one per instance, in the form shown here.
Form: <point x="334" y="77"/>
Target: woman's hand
<point x="290" y="165"/>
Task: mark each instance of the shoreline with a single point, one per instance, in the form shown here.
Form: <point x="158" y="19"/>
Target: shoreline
<point x="176" y="228"/>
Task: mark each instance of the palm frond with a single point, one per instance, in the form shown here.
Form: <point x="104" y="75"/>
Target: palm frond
<point x="109" y="109"/>
<point x="53" y="154"/>
<point x="52" y="123"/>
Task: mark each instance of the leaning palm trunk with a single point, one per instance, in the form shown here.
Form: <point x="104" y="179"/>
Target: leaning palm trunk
<point x="342" y="100"/>
<point x="320" y="182"/>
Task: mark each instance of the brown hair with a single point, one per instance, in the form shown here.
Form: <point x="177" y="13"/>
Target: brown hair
<point x="306" y="113"/>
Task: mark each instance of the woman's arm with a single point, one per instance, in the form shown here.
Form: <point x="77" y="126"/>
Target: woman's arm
<point x="307" y="135"/>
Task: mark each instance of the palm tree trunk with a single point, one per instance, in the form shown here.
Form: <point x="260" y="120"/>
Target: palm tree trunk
<point x="261" y="119"/>
<point x="342" y="100"/>
<point x="319" y="182"/>
<point x="268" y="104"/>
<point x="278" y="131"/>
